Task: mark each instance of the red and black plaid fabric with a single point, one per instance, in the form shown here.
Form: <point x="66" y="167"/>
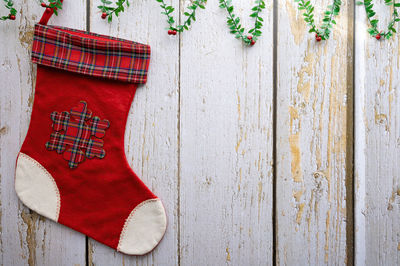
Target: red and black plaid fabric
<point x="91" y="54"/>
<point x="73" y="135"/>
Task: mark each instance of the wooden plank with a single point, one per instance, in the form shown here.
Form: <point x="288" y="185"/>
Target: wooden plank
<point x="151" y="141"/>
<point x="26" y="237"/>
<point x="377" y="150"/>
<point x="314" y="140"/>
<point x="226" y="142"/>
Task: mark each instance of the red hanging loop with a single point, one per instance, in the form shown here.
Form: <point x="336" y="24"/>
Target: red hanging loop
<point x="47" y="15"/>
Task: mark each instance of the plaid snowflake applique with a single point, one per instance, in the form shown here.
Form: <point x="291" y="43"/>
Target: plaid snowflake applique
<point x="77" y="134"/>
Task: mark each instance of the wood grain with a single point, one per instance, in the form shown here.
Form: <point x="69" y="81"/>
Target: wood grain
<point x="314" y="134"/>
<point x="377" y="145"/>
<point x="27" y="238"/>
<point x="226" y="142"/>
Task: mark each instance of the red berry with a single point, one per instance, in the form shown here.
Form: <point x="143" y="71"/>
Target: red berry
<point x="169" y="32"/>
<point x="378" y="36"/>
<point x="249" y="37"/>
<point x="12" y="17"/>
<point x="318" y="38"/>
<point x="48" y="10"/>
<point x="174" y="32"/>
<point x="252" y="42"/>
<point x="43" y="4"/>
<point x="104" y="15"/>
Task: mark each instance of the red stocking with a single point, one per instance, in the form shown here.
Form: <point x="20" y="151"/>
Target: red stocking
<point x="72" y="166"/>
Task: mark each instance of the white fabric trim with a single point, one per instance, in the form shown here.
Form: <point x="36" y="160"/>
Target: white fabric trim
<point x="36" y="187"/>
<point x="144" y="228"/>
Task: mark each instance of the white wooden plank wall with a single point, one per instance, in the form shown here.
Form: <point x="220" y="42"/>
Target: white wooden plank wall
<point x="203" y="132"/>
<point x="313" y="100"/>
<point x="377" y="153"/>
<point x="225" y="143"/>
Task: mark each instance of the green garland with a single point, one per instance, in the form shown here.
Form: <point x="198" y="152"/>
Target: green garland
<point x="373" y="29"/>
<point x="108" y="11"/>
<point x="12" y="11"/>
<point x="332" y="11"/>
<point x="237" y="29"/>
<point x="250" y="37"/>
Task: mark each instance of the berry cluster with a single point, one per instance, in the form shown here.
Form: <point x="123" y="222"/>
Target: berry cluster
<point x="172" y="32"/>
<point x="48" y="9"/>
<point x="250" y="38"/>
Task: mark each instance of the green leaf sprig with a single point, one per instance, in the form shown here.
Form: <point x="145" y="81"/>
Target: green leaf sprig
<point x="108" y="11"/>
<point x="324" y="31"/>
<point x="12" y="11"/>
<point x="236" y="27"/>
<point x="373" y="29"/>
<point x="190" y="15"/>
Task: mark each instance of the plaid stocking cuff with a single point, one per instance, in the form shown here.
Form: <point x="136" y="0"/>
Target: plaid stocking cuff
<point x="90" y="54"/>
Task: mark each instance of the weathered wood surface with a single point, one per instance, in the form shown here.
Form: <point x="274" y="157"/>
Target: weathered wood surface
<point x="377" y="154"/>
<point x="314" y="133"/>
<point x="225" y="143"/>
<point x="202" y="134"/>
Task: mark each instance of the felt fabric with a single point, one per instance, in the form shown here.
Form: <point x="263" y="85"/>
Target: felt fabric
<point x="98" y="195"/>
<point x="79" y="131"/>
<point x="77" y="78"/>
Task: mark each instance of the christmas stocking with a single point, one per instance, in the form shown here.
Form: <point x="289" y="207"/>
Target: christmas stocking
<point x="72" y="166"/>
